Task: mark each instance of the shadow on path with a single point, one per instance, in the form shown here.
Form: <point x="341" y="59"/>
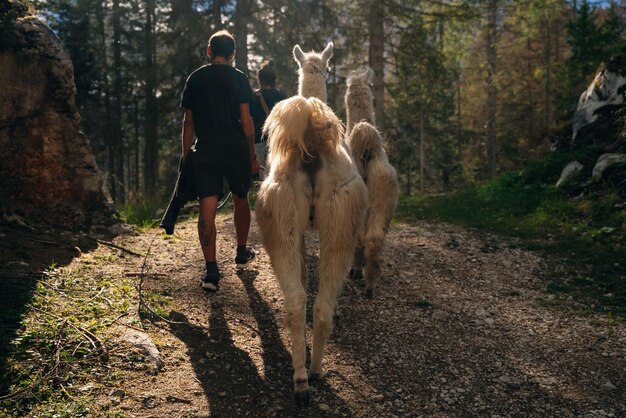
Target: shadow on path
<point x="228" y="376"/>
<point x="25" y="253"/>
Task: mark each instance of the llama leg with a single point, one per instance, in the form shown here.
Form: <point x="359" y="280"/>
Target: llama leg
<point x="286" y="263"/>
<point x="334" y="264"/>
<point x="372" y="266"/>
<point x="295" y="307"/>
<point x="304" y="273"/>
<point x="359" y="260"/>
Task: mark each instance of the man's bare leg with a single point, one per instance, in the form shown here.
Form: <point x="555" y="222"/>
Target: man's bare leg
<point x="206" y="227"/>
<point x="242" y="219"/>
<point x="242" y="228"/>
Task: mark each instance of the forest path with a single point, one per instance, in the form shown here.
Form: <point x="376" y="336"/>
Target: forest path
<point x="461" y="326"/>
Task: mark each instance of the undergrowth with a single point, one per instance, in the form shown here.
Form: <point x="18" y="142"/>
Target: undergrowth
<point x="582" y="229"/>
<point x="143" y="215"/>
<point x="65" y="351"/>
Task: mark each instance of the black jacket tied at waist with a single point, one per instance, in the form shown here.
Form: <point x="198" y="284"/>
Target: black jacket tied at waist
<point x="184" y="191"/>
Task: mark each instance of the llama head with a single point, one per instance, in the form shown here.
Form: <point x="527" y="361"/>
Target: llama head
<point x="364" y="77"/>
<point x="359" y="98"/>
<point x="313" y="71"/>
<point x="313" y="61"/>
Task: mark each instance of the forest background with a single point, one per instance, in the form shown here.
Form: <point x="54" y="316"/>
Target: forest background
<point x="470" y="88"/>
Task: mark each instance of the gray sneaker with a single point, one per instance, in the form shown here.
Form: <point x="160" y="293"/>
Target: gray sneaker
<point x="244" y="258"/>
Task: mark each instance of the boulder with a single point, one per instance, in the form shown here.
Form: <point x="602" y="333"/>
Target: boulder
<point x="604" y="94"/>
<point x="46" y="164"/>
<point x="605" y="162"/>
<point x="570" y="173"/>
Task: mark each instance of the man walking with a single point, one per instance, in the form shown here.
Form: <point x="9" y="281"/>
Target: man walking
<point x="216" y="100"/>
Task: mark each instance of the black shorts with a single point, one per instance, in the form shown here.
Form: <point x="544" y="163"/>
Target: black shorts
<point x="209" y="177"/>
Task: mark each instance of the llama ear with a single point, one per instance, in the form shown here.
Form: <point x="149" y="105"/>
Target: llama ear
<point x="298" y="55"/>
<point x="328" y="52"/>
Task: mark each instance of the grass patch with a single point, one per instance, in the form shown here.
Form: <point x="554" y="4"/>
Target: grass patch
<point x="143" y="215"/>
<point x="62" y="344"/>
<point x="583" y="229"/>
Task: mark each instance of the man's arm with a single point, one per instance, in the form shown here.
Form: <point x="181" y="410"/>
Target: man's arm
<point x="188" y="131"/>
<point x="248" y="129"/>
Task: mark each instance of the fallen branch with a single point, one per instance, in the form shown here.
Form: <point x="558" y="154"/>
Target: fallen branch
<point x="139" y="274"/>
<point x="52" y="372"/>
<point x="119" y="247"/>
<point x="89" y="336"/>
<point x="28" y="388"/>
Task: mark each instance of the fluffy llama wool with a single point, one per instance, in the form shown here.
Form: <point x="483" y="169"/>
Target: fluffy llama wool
<point x="359" y="98"/>
<point x="312" y="183"/>
<point x="366" y="145"/>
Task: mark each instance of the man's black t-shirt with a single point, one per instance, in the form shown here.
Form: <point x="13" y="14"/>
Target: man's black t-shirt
<point x="257" y="112"/>
<point x="213" y="93"/>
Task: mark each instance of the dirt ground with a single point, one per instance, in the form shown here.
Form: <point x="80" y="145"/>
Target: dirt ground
<point x="461" y="326"/>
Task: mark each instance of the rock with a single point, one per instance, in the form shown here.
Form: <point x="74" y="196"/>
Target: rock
<point x="377" y="398"/>
<point x="117" y="393"/>
<point x="87" y="387"/>
<point x="143" y="341"/>
<point x="608" y="386"/>
<point x="604" y="162"/>
<point x="605" y="90"/>
<point x="323" y="407"/>
<point x="571" y="171"/>
<point x="440" y="315"/>
<point x="120" y="228"/>
<point x="49" y="161"/>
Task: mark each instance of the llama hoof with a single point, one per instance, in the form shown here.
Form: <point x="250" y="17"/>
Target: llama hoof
<point x="356" y="274"/>
<point x="369" y="293"/>
<point x="302" y="398"/>
<point x="315" y="377"/>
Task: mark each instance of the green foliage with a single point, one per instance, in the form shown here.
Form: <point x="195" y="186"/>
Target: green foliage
<point x="141" y="214"/>
<point x="587" y="233"/>
<point x="593" y="37"/>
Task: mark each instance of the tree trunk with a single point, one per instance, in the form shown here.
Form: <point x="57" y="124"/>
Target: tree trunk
<point x="376" y="54"/>
<point x="409" y="176"/>
<point x="240" y="32"/>
<point x="136" y="184"/>
<point x="548" y="81"/>
<point x="422" y="157"/>
<point x="116" y="126"/>
<point x="151" y="151"/>
<point x="492" y="96"/>
<point x="216" y="11"/>
<point x="105" y="89"/>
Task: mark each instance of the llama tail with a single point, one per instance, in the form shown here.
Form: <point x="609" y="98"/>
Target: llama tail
<point x="307" y="126"/>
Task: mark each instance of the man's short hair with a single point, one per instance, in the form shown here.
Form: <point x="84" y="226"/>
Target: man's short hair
<point x="222" y="44"/>
<point x="267" y="74"/>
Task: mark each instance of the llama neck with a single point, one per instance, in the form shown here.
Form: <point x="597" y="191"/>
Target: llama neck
<point x="358" y="108"/>
<point x="312" y="86"/>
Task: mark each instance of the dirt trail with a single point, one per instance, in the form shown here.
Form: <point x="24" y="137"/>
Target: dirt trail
<point x="461" y="326"/>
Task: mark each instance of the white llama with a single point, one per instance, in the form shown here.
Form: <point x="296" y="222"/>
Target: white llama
<point x="312" y="183"/>
<point x="380" y="177"/>
<point x="359" y="98"/>
<point x="313" y="71"/>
